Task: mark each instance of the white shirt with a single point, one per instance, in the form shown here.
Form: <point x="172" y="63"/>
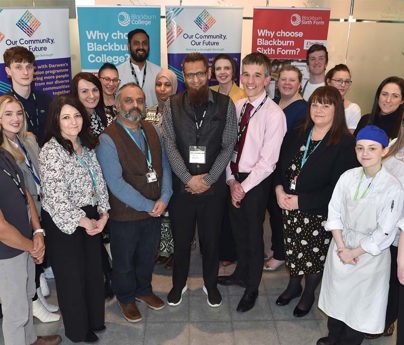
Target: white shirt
<point x="309" y="89"/>
<point x="352" y="115"/>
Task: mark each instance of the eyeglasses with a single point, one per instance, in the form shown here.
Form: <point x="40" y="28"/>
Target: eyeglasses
<point x="199" y="75"/>
<point x="342" y="81"/>
<point x="109" y="80"/>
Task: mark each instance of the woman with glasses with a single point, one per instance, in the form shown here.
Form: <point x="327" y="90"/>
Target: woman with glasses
<point x="340" y="77"/>
<point x="387" y="108"/>
<point x="109" y="77"/>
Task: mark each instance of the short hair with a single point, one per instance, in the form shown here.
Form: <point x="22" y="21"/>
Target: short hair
<point x="22" y="134"/>
<point x="195" y="57"/>
<point x="376" y="108"/>
<point x="337" y="68"/>
<point x="228" y="58"/>
<point x="317" y="48"/>
<point x="18" y="54"/>
<point x="288" y="67"/>
<point x="74" y="90"/>
<point x="52" y="128"/>
<point x="328" y="95"/>
<point x="137" y="31"/>
<point x="105" y="66"/>
<point x="124" y="86"/>
<point x="258" y="59"/>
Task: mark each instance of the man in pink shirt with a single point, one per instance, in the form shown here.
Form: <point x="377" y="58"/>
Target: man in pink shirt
<point x="261" y="127"/>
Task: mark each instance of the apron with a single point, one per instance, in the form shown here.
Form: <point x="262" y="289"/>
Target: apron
<point x="357" y="294"/>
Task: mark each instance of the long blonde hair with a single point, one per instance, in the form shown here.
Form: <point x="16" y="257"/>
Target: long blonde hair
<point x="22" y="134"/>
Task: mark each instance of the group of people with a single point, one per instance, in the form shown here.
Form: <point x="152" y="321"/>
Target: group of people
<point x="126" y="156"/>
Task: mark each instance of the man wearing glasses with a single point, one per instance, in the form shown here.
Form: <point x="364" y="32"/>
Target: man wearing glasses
<point x="199" y="133"/>
<point x="317" y="60"/>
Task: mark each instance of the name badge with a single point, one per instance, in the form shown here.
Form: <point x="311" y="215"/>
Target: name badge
<point x="94" y="198"/>
<point x="293" y="183"/>
<point x="234" y="156"/>
<point x="197" y="154"/>
<point x="151" y="176"/>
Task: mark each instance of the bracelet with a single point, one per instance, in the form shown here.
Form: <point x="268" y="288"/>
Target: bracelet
<point x="38" y="231"/>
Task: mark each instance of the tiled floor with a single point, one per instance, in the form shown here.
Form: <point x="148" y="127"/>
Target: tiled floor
<point x="194" y="322"/>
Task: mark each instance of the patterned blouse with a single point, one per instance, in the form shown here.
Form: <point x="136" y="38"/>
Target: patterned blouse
<point x="96" y="124"/>
<point x="67" y="185"/>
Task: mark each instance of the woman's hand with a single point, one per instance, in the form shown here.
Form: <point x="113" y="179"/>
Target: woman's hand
<point x="286" y="201"/>
<point x="90" y="226"/>
<point x="348" y="256"/>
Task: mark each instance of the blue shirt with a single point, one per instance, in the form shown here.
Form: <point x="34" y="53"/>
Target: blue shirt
<point x="108" y="158"/>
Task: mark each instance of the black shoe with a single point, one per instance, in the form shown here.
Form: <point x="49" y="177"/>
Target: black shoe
<point x="214" y="297"/>
<point x="174" y="297"/>
<point x="284" y="300"/>
<point x="91" y="337"/>
<point x="325" y="341"/>
<point x="230" y="280"/>
<point x="247" y="302"/>
<point x="297" y="312"/>
<point x="99" y="329"/>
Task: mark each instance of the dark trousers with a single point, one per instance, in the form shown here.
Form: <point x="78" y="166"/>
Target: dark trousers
<point x="394" y="288"/>
<point x="247" y="224"/>
<point x="400" y="323"/>
<point x="276" y="222"/>
<point x="134" y="246"/>
<point x="205" y="212"/>
<point x="77" y="266"/>
<point x="341" y="334"/>
<point x="227" y="246"/>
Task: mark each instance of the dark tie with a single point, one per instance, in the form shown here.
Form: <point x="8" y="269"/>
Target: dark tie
<point x="240" y="143"/>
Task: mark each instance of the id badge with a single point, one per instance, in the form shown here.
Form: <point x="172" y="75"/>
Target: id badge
<point x="151" y="176"/>
<point x="94" y="198"/>
<point x="293" y="183"/>
<point x="234" y="156"/>
<point x="197" y="154"/>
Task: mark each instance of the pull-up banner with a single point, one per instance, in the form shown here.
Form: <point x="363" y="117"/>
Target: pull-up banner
<point x="287" y="33"/>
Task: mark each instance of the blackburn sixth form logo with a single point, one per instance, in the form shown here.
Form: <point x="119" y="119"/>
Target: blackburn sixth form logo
<point x="205" y="21"/>
<point x="28" y="23"/>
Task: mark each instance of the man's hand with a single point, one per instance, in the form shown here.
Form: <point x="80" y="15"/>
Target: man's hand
<point x="197" y="184"/>
<point x="38" y="249"/>
<point x="237" y="193"/>
<point x="158" y="209"/>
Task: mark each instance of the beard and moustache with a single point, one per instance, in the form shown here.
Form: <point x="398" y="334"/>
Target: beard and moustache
<point x="134" y="114"/>
<point x="139" y="58"/>
<point x="198" y="96"/>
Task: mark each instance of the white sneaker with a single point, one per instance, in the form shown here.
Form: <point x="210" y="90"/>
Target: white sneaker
<point x="42" y="314"/>
<point x="44" y="285"/>
<point x="49" y="273"/>
<point x="50" y="307"/>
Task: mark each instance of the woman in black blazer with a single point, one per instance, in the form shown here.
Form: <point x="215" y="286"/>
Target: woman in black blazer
<point x="312" y="159"/>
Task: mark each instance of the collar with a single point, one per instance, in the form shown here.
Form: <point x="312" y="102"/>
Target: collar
<point x="258" y="101"/>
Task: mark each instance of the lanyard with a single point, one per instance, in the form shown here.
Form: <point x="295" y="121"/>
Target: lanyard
<point x="200" y="123"/>
<point x="13" y="174"/>
<point x="358" y="186"/>
<point x="31" y="120"/>
<point x="135" y="76"/>
<point x="89" y="167"/>
<point x="148" y="157"/>
<point x="242" y="130"/>
<point x="306" y="149"/>
<point x="29" y="164"/>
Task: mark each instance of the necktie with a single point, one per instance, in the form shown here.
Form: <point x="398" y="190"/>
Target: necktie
<point x="240" y="143"/>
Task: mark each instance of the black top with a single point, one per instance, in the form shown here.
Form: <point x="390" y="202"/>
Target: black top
<point x="320" y="173"/>
<point x="12" y="202"/>
<point x="389" y="123"/>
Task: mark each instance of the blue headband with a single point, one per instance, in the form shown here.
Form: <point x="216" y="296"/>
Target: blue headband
<point x="371" y="132"/>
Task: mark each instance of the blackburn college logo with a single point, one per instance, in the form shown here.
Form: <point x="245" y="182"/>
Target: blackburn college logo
<point x="123" y="19"/>
<point x="205" y="21"/>
<point x="295" y="19"/>
<point x="28" y="23"/>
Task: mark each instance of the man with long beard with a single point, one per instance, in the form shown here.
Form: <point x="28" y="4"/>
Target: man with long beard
<point x="199" y="133"/>
<point x="138" y="69"/>
<point x="138" y="176"/>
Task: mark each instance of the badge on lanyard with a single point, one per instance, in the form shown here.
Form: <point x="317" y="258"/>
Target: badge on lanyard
<point x="151" y="176"/>
<point x="94" y="198"/>
<point x="293" y="183"/>
<point x="197" y="154"/>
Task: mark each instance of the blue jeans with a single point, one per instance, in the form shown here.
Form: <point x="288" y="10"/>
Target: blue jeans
<point x="134" y="245"/>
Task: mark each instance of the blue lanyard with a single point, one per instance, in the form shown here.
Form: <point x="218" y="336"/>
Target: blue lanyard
<point x="90" y="168"/>
<point x="149" y="159"/>
<point x="306" y="149"/>
<point x="29" y="164"/>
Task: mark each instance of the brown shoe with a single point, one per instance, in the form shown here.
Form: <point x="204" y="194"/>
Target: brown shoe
<point x="48" y="340"/>
<point x="130" y="312"/>
<point x="154" y="302"/>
